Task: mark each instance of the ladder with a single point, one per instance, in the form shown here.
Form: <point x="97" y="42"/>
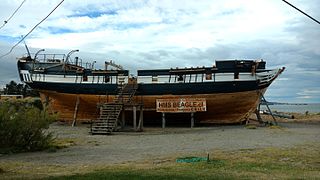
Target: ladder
<point x="107" y="121"/>
<point x="125" y="93"/>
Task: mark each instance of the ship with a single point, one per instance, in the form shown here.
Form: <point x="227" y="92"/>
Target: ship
<point x="230" y="90"/>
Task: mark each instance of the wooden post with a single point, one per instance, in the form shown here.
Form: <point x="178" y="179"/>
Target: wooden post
<point x="123" y="118"/>
<point x="163" y="120"/>
<point x="192" y="120"/>
<point x="46" y="101"/>
<point x="141" y="117"/>
<point x="134" y="108"/>
<point x="75" y="112"/>
<point x="257" y="112"/>
<point x="140" y="125"/>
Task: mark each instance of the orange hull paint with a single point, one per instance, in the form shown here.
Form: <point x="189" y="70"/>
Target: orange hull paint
<point x="221" y="108"/>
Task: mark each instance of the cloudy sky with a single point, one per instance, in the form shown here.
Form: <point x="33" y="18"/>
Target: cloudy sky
<point x="168" y="33"/>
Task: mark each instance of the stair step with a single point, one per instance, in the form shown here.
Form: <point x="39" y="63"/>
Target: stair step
<point x="109" y="113"/>
<point x="100" y="132"/>
<point x="104" y="125"/>
<point x="99" y="128"/>
<point x="111" y="105"/>
<point x="105" y="115"/>
<point x="112" y="108"/>
<point x="103" y="121"/>
<point x="106" y="118"/>
<point x="110" y="122"/>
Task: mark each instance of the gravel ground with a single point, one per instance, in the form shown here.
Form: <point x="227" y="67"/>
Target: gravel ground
<point x="156" y="143"/>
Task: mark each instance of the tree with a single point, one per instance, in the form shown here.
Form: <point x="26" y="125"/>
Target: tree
<point x="19" y="89"/>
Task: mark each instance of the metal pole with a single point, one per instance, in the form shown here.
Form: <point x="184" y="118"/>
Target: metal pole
<point x="274" y="119"/>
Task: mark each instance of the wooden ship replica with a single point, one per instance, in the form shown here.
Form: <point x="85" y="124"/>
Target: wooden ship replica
<point x="226" y="92"/>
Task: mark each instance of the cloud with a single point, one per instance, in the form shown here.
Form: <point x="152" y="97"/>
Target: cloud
<point x="163" y="34"/>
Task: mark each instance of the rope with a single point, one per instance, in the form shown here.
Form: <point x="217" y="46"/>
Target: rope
<point x="5" y="22"/>
<point x="31" y="30"/>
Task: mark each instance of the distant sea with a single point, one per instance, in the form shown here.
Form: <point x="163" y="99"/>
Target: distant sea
<point x="299" y="108"/>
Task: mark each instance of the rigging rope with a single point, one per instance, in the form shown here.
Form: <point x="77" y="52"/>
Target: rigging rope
<point x="5" y="22"/>
<point x="301" y="11"/>
<point x="31" y="30"/>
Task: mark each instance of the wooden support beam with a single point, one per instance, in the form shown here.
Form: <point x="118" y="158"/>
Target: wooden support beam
<point x="163" y="120"/>
<point x="141" y="116"/>
<point x="134" y="117"/>
<point x="75" y="112"/>
<point x="192" y="120"/>
<point x="257" y="112"/>
<point x="140" y="124"/>
<point x="46" y="102"/>
<point x="123" y="119"/>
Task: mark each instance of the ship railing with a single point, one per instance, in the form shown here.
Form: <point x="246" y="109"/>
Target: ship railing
<point x="267" y="76"/>
<point x="50" y="58"/>
<point x="59" y="58"/>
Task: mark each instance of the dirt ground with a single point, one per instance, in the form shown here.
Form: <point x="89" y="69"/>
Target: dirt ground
<point x="157" y="144"/>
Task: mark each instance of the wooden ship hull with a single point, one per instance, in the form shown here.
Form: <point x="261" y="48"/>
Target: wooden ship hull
<point x="221" y="108"/>
<point x="231" y="89"/>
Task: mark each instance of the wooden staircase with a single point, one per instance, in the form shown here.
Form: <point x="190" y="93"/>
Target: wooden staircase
<point x="125" y="93"/>
<point x="108" y="118"/>
<point x="107" y="121"/>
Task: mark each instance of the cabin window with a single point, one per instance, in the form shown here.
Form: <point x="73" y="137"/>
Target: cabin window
<point x="236" y="75"/>
<point x="209" y="76"/>
<point x="106" y="79"/>
<point x="154" y="78"/>
<point x="180" y="78"/>
<point x="85" y="78"/>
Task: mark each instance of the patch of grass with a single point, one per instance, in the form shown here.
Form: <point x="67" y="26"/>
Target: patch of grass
<point x="180" y="172"/>
<point x="283" y="163"/>
<point x="251" y="126"/>
<point x="1" y="171"/>
<point x="61" y="144"/>
<point x="302" y="162"/>
<point x="275" y="127"/>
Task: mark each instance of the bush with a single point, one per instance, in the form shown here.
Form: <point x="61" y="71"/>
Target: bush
<point x="22" y="127"/>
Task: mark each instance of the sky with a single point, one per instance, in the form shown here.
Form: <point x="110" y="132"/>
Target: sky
<point x="148" y="34"/>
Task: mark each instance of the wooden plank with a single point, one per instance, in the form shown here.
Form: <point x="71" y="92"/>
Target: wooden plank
<point x="221" y="108"/>
<point x="75" y="112"/>
<point x="140" y="125"/>
<point x="192" y="120"/>
<point x="134" y="117"/>
<point x="123" y="119"/>
<point x="163" y="120"/>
